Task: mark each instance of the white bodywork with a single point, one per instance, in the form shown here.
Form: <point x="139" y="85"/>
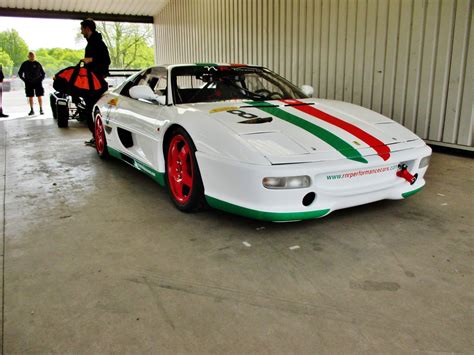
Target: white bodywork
<point x="234" y="157"/>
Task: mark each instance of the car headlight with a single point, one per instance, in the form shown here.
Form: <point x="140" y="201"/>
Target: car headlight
<point x="424" y="162"/>
<point x="287" y="182"/>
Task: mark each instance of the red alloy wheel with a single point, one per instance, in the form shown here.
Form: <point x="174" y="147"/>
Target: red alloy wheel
<point x="180" y="169"/>
<point x="99" y="136"/>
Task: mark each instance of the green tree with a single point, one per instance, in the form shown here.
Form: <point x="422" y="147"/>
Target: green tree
<point x="6" y="62"/>
<point x="73" y="55"/>
<point x="130" y="45"/>
<point x="14" y="45"/>
<point x="54" y="59"/>
<point x="144" y="57"/>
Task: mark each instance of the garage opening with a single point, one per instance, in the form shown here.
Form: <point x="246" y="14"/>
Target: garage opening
<point x="58" y="43"/>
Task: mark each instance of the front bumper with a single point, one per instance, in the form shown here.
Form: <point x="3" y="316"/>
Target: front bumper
<point x="237" y="187"/>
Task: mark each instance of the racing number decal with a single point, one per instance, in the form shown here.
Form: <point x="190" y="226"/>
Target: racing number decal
<point x="249" y="118"/>
<point x="243" y="114"/>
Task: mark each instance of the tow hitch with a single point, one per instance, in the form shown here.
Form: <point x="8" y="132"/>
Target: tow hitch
<point x="404" y="173"/>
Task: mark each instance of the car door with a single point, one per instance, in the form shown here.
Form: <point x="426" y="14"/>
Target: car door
<point x="138" y="121"/>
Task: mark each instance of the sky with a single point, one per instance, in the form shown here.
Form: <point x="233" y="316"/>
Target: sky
<point x="45" y="33"/>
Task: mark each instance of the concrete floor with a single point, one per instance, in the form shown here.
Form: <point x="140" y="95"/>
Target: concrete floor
<point x="97" y="260"/>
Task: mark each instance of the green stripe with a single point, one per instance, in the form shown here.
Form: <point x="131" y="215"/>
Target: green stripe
<point x="262" y="215"/>
<point x="334" y="141"/>
<point x="410" y="193"/>
<point x="114" y="153"/>
<point x="147" y="170"/>
<point x="206" y="64"/>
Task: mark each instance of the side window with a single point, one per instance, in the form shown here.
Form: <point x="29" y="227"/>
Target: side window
<point x="155" y="78"/>
<point x="160" y="84"/>
<point x="138" y="80"/>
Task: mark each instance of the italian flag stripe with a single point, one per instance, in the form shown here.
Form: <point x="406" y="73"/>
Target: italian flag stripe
<point x="206" y="64"/>
<point x="382" y="150"/>
<point x="334" y="141"/>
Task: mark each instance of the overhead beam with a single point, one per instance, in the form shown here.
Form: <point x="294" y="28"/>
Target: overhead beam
<point x="72" y="15"/>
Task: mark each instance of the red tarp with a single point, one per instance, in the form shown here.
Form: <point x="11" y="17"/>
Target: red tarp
<point x="79" y="81"/>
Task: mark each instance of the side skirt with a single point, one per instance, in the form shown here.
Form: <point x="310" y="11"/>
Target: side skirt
<point x="147" y="170"/>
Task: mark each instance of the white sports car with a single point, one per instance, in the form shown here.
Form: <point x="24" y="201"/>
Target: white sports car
<point x="244" y="140"/>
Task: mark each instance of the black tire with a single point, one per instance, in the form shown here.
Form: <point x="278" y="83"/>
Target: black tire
<point x="52" y="103"/>
<point x="62" y="113"/>
<point x="194" y="195"/>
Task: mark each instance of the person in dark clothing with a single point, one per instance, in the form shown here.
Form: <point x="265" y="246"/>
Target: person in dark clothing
<point x="32" y="73"/>
<point x="97" y="59"/>
<point x="2" y="115"/>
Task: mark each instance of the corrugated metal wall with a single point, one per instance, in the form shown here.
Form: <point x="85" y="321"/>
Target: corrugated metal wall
<point x="411" y="60"/>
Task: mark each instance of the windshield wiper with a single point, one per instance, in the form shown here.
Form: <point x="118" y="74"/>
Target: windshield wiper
<point x="301" y="104"/>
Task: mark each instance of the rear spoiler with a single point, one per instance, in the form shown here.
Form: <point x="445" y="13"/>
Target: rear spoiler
<point x="122" y="72"/>
<point x="118" y="76"/>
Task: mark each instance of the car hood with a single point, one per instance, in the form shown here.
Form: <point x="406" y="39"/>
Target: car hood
<point x="309" y="130"/>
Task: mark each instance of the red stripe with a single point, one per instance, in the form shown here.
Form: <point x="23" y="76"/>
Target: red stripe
<point x="382" y="150"/>
<point x="66" y="74"/>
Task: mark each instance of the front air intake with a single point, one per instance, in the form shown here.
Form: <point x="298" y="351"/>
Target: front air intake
<point x="309" y="198"/>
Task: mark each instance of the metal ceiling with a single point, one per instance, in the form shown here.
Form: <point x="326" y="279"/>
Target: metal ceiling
<point x="110" y="10"/>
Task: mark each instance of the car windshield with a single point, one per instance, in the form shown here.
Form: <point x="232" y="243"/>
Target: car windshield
<point x="208" y="83"/>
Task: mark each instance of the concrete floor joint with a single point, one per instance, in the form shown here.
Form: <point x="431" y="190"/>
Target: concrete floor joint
<point x="3" y="235"/>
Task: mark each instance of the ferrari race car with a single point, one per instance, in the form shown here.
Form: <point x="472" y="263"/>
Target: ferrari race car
<point x="245" y="140"/>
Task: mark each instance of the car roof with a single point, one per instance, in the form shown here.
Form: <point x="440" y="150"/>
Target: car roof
<point x="170" y="66"/>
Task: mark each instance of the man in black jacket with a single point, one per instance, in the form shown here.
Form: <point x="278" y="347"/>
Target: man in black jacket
<point x="1" y="91"/>
<point x="32" y="73"/>
<point x="97" y="59"/>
